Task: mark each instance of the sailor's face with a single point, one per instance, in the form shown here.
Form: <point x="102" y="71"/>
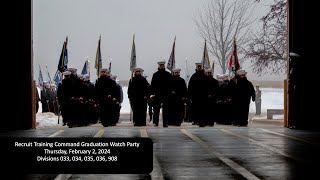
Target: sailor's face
<point x="161" y="66"/>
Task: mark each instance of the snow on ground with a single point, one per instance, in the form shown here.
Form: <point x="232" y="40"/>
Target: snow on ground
<point x="47" y="119"/>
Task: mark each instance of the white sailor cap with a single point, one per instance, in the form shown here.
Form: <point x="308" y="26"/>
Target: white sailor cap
<point x="209" y="70"/>
<point x="161" y="62"/>
<point x="138" y="69"/>
<point x="198" y="64"/>
<point x="241" y="72"/>
<point x="66" y="73"/>
<point x="225" y="75"/>
<point x="292" y="54"/>
<point x="72" y="70"/>
<point x="105" y="70"/>
<point x="86" y="76"/>
<point x="176" y="70"/>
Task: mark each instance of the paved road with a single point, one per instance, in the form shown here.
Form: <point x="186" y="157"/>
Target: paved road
<point x="263" y="150"/>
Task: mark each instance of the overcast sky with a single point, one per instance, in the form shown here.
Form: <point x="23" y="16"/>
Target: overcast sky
<point x="155" y="23"/>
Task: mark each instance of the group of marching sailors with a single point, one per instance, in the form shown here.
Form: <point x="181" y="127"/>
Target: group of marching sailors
<point x="48" y="98"/>
<point x="204" y="101"/>
<point x="83" y="103"/>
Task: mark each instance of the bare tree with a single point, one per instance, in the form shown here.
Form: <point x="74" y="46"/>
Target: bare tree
<point x="268" y="48"/>
<point x="220" y="22"/>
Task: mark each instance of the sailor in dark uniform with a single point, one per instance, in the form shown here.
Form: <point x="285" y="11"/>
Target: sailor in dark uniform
<point x="138" y="93"/>
<point x="64" y="95"/>
<point x="225" y="102"/>
<point x="92" y="108"/>
<point x="197" y="94"/>
<point x="161" y="89"/>
<point x="106" y="91"/>
<point x="244" y="92"/>
<point x="211" y="101"/>
<point x="177" y="98"/>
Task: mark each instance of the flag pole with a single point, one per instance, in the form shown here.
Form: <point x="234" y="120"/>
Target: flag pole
<point x="132" y="66"/>
<point x="129" y="100"/>
<point x="88" y="66"/>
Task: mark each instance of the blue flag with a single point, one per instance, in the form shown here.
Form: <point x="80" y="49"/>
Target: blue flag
<point x="57" y="78"/>
<point x="85" y="68"/>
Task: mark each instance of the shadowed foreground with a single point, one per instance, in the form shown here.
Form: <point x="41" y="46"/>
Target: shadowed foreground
<point x="263" y="150"/>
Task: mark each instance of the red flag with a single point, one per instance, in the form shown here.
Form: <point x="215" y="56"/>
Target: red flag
<point x="234" y="64"/>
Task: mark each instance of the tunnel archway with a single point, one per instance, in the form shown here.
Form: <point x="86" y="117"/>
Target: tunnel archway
<point x="300" y="98"/>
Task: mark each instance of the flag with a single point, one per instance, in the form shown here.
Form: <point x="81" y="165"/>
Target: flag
<point x="85" y="68"/>
<point x="133" y="61"/>
<point x="63" y="61"/>
<point x="40" y="77"/>
<point x="171" y="61"/>
<point x="98" y="61"/>
<point x="205" y="57"/>
<point x="66" y="57"/>
<point x="57" y="78"/>
<point x="234" y="65"/>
